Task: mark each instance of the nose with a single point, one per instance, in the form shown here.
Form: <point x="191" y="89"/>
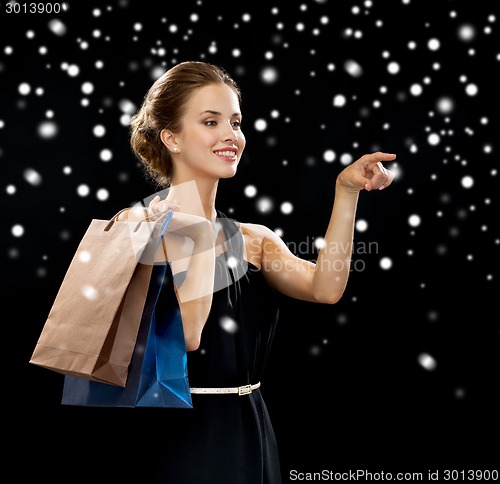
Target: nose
<point x="230" y="136"/>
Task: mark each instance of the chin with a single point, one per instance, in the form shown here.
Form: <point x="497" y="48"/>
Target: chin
<point x="230" y="174"/>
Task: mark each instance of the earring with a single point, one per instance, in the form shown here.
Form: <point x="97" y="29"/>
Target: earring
<point x="175" y="150"/>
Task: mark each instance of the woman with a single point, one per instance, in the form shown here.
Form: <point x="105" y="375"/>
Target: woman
<point x="188" y="135"/>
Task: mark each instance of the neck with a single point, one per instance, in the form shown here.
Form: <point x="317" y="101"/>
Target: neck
<point x="196" y="197"/>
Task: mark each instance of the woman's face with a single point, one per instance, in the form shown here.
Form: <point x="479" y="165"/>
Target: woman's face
<point x="210" y="142"/>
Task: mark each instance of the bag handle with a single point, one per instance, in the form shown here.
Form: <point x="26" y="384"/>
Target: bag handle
<point x="114" y="219"/>
<point x="147" y="218"/>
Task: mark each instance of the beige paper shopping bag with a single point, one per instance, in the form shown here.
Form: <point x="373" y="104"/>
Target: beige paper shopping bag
<point x="92" y="326"/>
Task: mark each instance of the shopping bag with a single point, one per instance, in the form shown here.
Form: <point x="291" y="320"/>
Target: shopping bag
<point x="158" y="375"/>
<point x="93" y="324"/>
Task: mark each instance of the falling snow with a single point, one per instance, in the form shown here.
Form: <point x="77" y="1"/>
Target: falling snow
<point x="322" y="84"/>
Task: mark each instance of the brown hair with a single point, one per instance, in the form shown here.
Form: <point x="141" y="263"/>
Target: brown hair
<point x="163" y="108"/>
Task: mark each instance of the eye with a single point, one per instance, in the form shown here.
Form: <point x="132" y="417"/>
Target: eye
<point x="236" y="124"/>
<point x="210" y="123"/>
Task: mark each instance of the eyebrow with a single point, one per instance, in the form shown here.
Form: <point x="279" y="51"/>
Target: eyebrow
<point x="217" y="113"/>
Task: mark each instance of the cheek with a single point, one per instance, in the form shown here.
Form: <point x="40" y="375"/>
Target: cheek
<point x="203" y="140"/>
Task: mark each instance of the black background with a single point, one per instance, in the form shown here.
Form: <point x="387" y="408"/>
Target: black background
<point x="345" y="385"/>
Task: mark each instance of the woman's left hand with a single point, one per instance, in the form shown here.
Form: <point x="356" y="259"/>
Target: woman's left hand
<point x="367" y="173"/>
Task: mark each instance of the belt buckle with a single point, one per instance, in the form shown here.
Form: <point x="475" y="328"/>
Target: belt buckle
<point x="244" y="390"/>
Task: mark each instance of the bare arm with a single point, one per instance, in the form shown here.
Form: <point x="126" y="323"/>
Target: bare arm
<point x="190" y="249"/>
<point x="325" y="280"/>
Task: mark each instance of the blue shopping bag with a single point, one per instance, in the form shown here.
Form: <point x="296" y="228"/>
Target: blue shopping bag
<point x="158" y="375"/>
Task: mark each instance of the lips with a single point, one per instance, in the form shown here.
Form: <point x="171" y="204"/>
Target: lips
<point x="227" y="154"/>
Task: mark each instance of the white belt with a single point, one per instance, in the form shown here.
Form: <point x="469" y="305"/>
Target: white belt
<point x="244" y="390"/>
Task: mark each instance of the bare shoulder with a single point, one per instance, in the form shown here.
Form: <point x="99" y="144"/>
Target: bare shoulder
<point x="256" y="237"/>
<point x="255" y="230"/>
<point x="262" y="236"/>
<point x="260" y="233"/>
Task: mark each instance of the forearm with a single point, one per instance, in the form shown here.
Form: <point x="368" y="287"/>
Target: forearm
<point x="334" y="258"/>
<point x="195" y="295"/>
<point x="199" y="280"/>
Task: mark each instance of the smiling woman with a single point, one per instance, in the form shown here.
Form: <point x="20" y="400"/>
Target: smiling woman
<point x="217" y="130"/>
<point x="192" y="97"/>
<point x="227" y="274"/>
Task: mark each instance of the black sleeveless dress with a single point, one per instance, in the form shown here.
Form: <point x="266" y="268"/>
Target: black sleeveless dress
<point x="226" y="438"/>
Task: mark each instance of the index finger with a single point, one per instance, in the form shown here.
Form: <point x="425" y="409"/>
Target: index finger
<point x="372" y="159"/>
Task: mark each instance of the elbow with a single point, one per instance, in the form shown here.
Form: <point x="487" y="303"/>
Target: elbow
<point x="192" y="323"/>
<point x="329" y="297"/>
<point x="192" y="344"/>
